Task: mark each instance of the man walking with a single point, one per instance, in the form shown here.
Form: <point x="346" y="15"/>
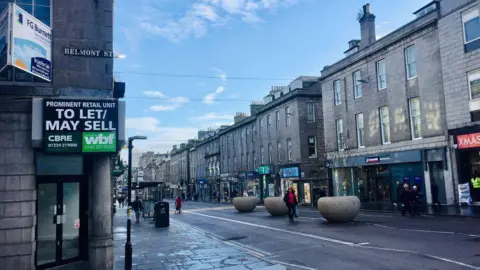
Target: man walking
<point x="434" y="190"/>
<point x="137" y="207"/>
<point x="406" y="200"/>
<point x="291" y="201"/>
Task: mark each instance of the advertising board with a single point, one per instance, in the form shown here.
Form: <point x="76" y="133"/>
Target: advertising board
<point x="80" y="126"/>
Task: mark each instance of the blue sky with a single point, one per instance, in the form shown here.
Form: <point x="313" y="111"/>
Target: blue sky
<point x="227" y="39"/>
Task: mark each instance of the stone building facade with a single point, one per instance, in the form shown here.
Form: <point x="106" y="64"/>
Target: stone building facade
<point x="179" y="170"/>
<point x="26" y="173"/>
<point x="460" y="58"/>
<point x="385" y="104"/>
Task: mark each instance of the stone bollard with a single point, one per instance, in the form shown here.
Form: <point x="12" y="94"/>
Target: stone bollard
<point x="339" y="209"/>
<point x="276" y="206"/>
<point x="245" y="204"/>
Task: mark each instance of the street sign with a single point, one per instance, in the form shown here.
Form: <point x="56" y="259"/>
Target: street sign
<point x="80" y="126"/>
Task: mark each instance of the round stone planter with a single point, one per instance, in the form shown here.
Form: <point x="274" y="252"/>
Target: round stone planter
<point x="339" y="209"/>
<point x="245" y="204"/>
<point x="276" y="206"/>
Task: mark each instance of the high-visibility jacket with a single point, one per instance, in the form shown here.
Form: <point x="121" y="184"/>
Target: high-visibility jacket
<point x="475" y="182"/>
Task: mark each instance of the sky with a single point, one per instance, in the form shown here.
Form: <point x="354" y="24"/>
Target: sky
<point x="193" y="64"/>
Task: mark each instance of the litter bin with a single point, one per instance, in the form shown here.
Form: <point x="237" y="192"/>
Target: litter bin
<point x="162" y="217"/>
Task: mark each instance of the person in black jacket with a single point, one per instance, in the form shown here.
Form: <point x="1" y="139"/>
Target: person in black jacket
<point x="415" y="200"/>
<point x="406" y="200"/>
<point x="137" y="207"/>
<point x="434" y="190"/>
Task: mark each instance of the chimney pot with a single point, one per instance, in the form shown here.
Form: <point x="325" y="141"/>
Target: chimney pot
<point x="367" y="27"/>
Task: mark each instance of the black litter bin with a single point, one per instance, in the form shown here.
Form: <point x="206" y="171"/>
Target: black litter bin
<point x="162" y="217"/>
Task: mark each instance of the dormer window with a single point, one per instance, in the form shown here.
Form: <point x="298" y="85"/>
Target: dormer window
<point x="426" y="9"/>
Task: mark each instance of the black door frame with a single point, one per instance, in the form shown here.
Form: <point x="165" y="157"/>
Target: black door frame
<point x="83" y="211"/>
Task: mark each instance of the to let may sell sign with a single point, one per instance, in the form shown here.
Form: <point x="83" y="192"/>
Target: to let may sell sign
<point x="80" y="126"/>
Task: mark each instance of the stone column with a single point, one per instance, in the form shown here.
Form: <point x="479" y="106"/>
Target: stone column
<point x="100" y="245"/>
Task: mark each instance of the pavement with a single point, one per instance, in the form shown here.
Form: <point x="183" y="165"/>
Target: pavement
<point x="181" y="246"/>
<point x="372" y="241"/>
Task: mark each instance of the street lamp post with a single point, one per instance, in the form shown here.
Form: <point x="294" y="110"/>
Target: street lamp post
<point x="128" y="245"/>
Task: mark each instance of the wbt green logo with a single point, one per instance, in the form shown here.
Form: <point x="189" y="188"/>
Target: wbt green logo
<point x="99" y="142"/>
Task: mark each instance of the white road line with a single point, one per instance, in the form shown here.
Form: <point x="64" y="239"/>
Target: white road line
<point x="363" y="244"/>
<point x="309" y="218"/>
<point x="341" y="242"/>
<point x="292" y="265"/>
<point x="327" y="239"/>
<point x="423" y="231"/>
<point x="425" y="255"/>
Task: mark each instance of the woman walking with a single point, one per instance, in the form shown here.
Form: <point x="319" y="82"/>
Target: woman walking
<point x="291" y="201"/>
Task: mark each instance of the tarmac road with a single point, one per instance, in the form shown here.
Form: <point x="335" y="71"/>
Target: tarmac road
<point x="373" y="241"/>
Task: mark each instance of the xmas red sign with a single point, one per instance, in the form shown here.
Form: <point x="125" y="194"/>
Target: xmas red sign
<point x="468" y="141"/>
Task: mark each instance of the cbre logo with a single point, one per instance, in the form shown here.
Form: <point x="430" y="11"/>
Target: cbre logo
<point x="99" y="142"/>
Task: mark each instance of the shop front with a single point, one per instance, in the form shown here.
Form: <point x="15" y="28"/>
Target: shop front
<point x="252" y="188"/>
<point x="468" y="164"/>
<point x="379" y="178"/>
<point x="204" y="192"/>
<point x="268" y="185"/>
<point x="230" y="186"/>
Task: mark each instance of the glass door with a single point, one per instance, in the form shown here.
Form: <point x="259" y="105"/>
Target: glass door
<point x="58" y="223"/>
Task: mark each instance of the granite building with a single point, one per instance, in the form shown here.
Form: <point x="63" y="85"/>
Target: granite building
<point x="36" y="187"/>
<point x="385" y="103"/>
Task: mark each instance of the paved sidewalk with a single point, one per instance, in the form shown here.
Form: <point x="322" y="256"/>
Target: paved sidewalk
<point x="179" y="247"/>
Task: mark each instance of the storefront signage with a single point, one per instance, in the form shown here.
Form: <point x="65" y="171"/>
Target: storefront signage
<point x="468" y="141"/>
<point x="80" y="126"/>
<point x="202" y="181"/>
<point x="372" y="159"/>
<point x="264" y="170"/>
<point x="87" y="52"/>
<point x="251" y="175"/>
<point x="32" y="44"/>
<point x="383" y="158"/>
<point x="292" y="172"/>
<point x="140" y="173"/>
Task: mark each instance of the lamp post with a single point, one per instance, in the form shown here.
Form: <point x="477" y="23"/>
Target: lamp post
<point x="128" y="245"/>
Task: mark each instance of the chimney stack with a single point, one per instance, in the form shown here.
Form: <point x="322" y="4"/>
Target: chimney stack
<point x="367" y="27"/>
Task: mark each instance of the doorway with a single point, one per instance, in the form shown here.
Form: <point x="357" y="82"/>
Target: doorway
<point x="61" y="221"/>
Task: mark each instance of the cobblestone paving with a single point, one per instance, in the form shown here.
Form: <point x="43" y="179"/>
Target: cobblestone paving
<point x="179" y="247"/>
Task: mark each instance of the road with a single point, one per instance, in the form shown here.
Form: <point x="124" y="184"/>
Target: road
<point x="372" y="241"/>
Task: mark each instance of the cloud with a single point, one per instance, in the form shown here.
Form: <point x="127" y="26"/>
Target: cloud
<point x="178" y="100"/>
<point x="213" y="116"/>
<point x="210" y="98"/>
<point x="156" y="94"/>
<point x="202" y="15"/>
<point x="221" y="74"/>
<point x="163" y="108"/>
<point x="163" y="138"/>
<point x="147" y="124"/>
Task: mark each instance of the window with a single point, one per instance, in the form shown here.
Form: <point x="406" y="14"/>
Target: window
<point x="241" y="162"/>
<point x="381" y="75"/>
<point x="337" y="94"/>
<point x="254" y="160"/>
<point x="279" y="146"/>
<point x="289" y="150"/>
<point x="411" y="62"/>
<point x="385" y="125"/>
<point x="228" y="165"/>
<point x="415" y="118"/>
<point x="360" y="130"/>
<point x="262" y="155"/>
<point x="246" y="162"/>
<point x="277" y="116"/>
<point x="471" y="25"/>
<point x="269" y="123"/>
<point x="234" y="164"/>
<point x="474" y="84"/>
<point x="233" y="140"/>
<point x="270" y="153"/>
<point x="357" y="84"/>
<point x="260" y="121"/>
<point x="253" y="132"/>
<point x="287" y="116"/>
<point x="310" y="112"/>
<point x="312" y="147"/>
<point x="340" y="140"/>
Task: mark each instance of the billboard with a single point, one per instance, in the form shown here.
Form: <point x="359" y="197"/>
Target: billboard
<point x="31" y="44"/>
<point x="4" y="27"/>
<point x="80" y="126"/>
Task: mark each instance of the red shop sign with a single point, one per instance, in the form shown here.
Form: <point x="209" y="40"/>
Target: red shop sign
<point x="468" y="141"/>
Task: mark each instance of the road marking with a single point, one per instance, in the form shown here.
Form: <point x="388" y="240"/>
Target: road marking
<point x="423" y="231"/>
<point x="327" y="239"/>
<point x="341" y="242"/>
<point x="309" y="218"/>
<point x="292" y="264"/>
<point x="425" y="255"/>
<point x="363" y="244"/>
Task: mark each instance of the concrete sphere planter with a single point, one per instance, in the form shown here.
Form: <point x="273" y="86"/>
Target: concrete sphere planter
<point x="276" y="206"/>
<point x="339" y="209"/>
<point x="245" y="204"/>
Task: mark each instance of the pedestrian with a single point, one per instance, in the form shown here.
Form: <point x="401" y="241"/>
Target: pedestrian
<point x="406" y="199"/>
<point x="178" y="205"/>
<point x="297" y="212"/>
<point x="415" y="200"/>
<point x="183" y="196"/>
<point x="137" y="207"/>
<point x="291" y="201"/>
<point x="434" y="190"/>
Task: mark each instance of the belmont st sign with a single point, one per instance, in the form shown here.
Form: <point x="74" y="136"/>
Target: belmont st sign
<point x="80" y="126"/>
